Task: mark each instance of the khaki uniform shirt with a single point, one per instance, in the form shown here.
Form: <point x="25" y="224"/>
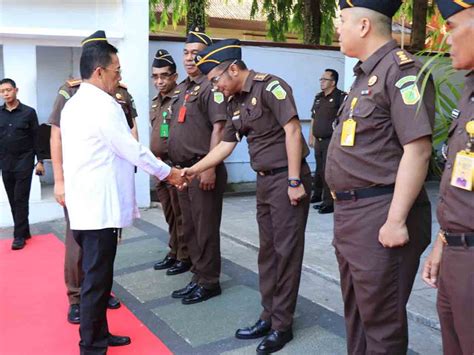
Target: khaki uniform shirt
<point x="70" y="87"/>
<point x="191" y="139"/>
<point x="160" y="111"/>
<point x="389" y="115"/>
<point x="456" y="206"/>
<point x="259" y="112"/>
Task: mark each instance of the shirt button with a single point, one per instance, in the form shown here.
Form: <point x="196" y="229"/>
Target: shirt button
<point x="10" y="125"/>
<point x="460" y="131"/>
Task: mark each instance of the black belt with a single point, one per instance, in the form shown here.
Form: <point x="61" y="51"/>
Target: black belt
<point x="187" y="164"/>
<point x="277" y="170"/>
<point x="322" y="139"/>
<point x="459" y="239"/>
<point x="362" y="193"/>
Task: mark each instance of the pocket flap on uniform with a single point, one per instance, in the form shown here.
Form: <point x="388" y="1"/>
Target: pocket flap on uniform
<point x="254" y="113"/>
<point x="364" y="109"/>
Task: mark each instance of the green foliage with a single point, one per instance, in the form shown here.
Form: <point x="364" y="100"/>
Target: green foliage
<point x="447" y="95"/>
<point x="192" y="10"/>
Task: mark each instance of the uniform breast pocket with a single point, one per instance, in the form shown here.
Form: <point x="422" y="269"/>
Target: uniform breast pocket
<point x="255" y="120"/>
<point x="192" y="105"/>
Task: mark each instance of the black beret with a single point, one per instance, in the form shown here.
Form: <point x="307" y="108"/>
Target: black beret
<point x="198" y="36"/>
<point x="98" y="36"/>
<point x="450" y="7"/>
<point x="163" y="59"/>
<point x="385" y="7"/>
<point x="220" y="52"/>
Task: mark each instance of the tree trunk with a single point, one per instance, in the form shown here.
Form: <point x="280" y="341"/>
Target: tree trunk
<point x="196" y="16"/>
<point x="312" y="21"/>
<point x="418" y="29"/>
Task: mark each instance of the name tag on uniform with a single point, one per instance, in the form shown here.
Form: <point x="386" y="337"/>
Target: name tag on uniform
<point x="182" y="114"/>
<point x="463" y="171"/>
<point x="348" y="133"/>
<point x="164" y="130"/>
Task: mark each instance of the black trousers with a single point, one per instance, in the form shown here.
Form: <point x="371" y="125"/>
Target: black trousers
<point x="320" y="187"/>
<point x="98" y="254"/>
<point x="18" y="186"/>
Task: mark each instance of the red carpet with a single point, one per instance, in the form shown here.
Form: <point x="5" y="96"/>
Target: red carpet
<point x="33" y="306"/>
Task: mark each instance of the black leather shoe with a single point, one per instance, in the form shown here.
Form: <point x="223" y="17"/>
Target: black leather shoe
<point x="201" y="294"/>
<point x="117" y="340"/>
<point x="74" y="314"/>
<point x="274" y="341"/>
<point x="113" y="302"/>
<point x="317" y="207"/>
<point x="18" y="243"/>
<point x="183" y="292"/>
<point x="178" y="268"/>
<point x="315" y="199"/>
<point x="166" y="263"/>
<point x="258" y="330"/>
<point x="28" y="237"/>
<point x="326" y="209"/>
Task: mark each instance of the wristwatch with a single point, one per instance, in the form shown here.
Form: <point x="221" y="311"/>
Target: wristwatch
<point x="294" y="182"/>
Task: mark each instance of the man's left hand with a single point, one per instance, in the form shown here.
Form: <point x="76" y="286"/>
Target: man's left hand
<point x="296" y="194"/>
<point x="39" y="169"/>
<point x="393" y="235"/>
<point x="207" y="180"/>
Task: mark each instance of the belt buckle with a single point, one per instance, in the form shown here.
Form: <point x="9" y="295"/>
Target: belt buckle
<point x="261" y="173"/>
<point x="333" y="195"/>
<point x="353" y="195"/>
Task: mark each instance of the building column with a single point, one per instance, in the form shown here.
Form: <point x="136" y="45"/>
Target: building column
<point x="133" y="54"/>
<point x="349" y="64"/>
<point x="19" y="64"/>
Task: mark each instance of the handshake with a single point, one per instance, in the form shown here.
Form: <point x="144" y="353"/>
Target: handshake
<point x="181" y="177"/>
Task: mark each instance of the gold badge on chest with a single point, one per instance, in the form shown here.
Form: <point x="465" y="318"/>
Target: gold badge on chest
<point x="254" y="101"/>
<point x="373" y="79"/>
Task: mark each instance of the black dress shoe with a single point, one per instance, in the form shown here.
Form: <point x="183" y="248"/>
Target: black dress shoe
<point x="113" y="302"/>
<point x="326" y="209"/>
<point x="28" y="237"/>
<point x="274" y="341"/>
<point x="18" y="243"/>
<point x="178" y="268"/>
<point x="315" y="199"/>
<point x="183" y="292"/>
<point x="117" y="340"/>
<point x="74" y="314"/>
<point x="258" y="330"/>
<point x="166" y="263"/>
<point x="317" y="207"/>
<point x="201" y="294"/>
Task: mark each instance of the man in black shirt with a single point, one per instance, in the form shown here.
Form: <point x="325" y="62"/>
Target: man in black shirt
<point x="323" y="114"/>
<point x="18" y="147"/>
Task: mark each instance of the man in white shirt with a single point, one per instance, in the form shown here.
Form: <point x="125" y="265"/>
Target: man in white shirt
<point x="99" y="155"/>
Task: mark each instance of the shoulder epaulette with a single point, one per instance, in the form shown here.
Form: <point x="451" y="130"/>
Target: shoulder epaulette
<point x="123" y="86"/>
<point x="74" y="82"/>
<point x="260" y="77"/>
<point x="402" y="59"/>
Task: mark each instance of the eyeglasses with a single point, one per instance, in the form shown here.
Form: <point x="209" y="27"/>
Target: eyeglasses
<point x="215" y="80"/>
<point x="164" y="76"/>
<point x="324" y="79"/>
<point x="117" y="71"/>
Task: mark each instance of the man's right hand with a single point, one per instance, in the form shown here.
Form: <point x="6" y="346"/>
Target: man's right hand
<point x="175" y="178"/>
<point x="311" y="140"/>
<point x="59" y="193"/>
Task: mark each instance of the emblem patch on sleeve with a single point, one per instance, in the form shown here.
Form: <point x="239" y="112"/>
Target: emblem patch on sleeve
<point x="410" y="93"/>
<point x="64" y="94"/>
<point x="218" y="97"/>
<point x="277" y="90"/>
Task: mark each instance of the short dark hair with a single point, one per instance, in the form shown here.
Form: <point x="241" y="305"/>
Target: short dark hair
<point x="96" y="55"/>
<point x="334" y="75"/>
<point x="8" y="81"/>
<point x="240" y="64"/>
